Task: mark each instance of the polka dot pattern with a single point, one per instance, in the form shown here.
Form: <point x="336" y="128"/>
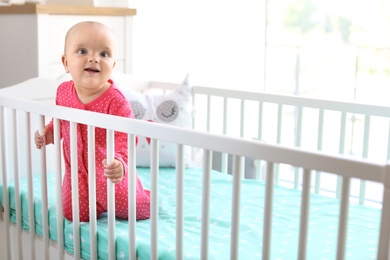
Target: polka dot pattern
<point x="110" y="102"/>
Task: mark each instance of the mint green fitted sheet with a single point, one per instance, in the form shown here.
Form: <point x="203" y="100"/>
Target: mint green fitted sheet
<point x="362" y="237"/>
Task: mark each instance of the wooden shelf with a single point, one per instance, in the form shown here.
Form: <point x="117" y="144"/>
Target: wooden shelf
<point x="70" y="10"/>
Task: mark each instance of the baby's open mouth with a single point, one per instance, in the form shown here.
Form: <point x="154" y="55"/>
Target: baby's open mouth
<point x="92" y="70"/>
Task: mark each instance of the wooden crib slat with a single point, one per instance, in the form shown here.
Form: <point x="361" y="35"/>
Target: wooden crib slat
<point x="45" y="219"/>
<point x="207" y="157"/>
<point x="58" y="177"/>
<point x="75" y="190"/>
<point x="343" y="123"/>
<point x="179" y="201"/>
<point x="278" y="138"/>
<point x="236" y="197"/>
<point x="242" y="118"/>
<point x="279" y="124"/>
<point x="268" y="205"/>
<point x="224" y="156"/>
<point x="18" y="204"/>
<point x="132" y="195"/>
<point x="92" y="192"/>
<point x="31" y="215"/>
<point x="317" y="183"/>
<point x="154" y="172"/>
<point x="6" y="215"/>
<point x="298" y="136"/>
<point x="304" y="220"/>
<point x="366" y="138"/>
<point x="343" y="220"/>
<point x="259" y="137"/>
<point x="110" y="197"/>
<point x="208" y="113"/>
<point x="225" y="115"/>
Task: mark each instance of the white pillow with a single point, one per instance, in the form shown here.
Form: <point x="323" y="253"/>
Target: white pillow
<point x="173" y="108"/>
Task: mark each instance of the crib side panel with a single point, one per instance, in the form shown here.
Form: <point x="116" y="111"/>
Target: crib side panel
<point x="357" y="130"/>
<point x="342" y="166"/>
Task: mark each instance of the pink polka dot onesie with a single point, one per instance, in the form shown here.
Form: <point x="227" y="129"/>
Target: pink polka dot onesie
<point x="110" y="102"/>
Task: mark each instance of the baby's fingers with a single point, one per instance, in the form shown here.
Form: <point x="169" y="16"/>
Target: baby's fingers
<point x="39" y="140"/>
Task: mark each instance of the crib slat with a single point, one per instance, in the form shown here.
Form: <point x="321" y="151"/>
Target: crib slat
<point x="225" y="116"/>
<point x="341" y="148"/>
<point x="207" y="156"/>
<point x="242" y="118"/>
<point x="305" y="204"/>
<point x="235" y="224"/>
<point x="45" y="219"/>
<point x="208" y="112"/>
<point x="110" y="197"/>
<point x="154" y="171"/>
<point x="58" y="174"/>
<point x="366" y="138"/>
<point x="279" y="124"/>
<point x="18" y="205"/>
<point x="224" y="156"/>
<point x="298" y="144"/>
<point x="31" y="217"/>
<point x="6" y="215"/>
<point x="75" y="190"/>
<point x="92" y="192"/>
<point x="267" y="228"/>
<point x="320" y="134"/>
<point x="259" y="137"/>
<point x="179" y="201"/>
<point x="278" y="139"/>
<point x="132" y="195"/>
<point x="343" y="221"/>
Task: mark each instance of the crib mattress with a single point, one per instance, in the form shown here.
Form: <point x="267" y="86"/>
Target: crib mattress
<point x="363" y="229"/>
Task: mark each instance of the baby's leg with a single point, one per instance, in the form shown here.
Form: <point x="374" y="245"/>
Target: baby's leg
<point x="142" y="200"/>
<point x="67" y="200"/>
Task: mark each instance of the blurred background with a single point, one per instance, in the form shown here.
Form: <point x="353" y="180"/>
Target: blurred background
<point x="336" y="49"/>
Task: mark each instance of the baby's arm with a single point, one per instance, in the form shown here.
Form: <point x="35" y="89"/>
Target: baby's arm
<point x="45" y="138"/>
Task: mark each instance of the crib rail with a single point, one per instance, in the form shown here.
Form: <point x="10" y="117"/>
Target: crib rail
<point x="335" y="126"/>
<point x="343" y="166"/>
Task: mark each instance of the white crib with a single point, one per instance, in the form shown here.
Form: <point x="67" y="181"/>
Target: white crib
<point x="267" y="207"/>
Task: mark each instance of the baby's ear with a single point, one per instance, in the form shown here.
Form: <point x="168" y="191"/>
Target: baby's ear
<point x="65" y="63"/>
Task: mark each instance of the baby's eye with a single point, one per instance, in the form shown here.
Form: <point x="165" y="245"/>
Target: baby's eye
<point x="82" y="51"/>
<point x="105" y="54"/>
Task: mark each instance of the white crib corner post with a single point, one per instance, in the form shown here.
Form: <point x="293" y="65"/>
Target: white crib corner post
<point x="384" y="235"/>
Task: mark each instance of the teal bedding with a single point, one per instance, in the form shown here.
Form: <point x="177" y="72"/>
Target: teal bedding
<point x="363" y="229"/>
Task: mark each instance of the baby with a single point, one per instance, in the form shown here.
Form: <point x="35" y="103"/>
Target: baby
<point x="89" y="57"/>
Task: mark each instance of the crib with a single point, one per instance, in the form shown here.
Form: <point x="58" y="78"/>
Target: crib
<point x="240" y="176"/>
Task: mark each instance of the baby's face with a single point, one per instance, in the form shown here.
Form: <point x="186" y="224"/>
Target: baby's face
<point x="89" y="55"/>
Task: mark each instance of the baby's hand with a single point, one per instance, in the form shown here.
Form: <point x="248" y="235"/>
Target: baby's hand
<point x="113" y="171"/>
<point x="40" y="139"/>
